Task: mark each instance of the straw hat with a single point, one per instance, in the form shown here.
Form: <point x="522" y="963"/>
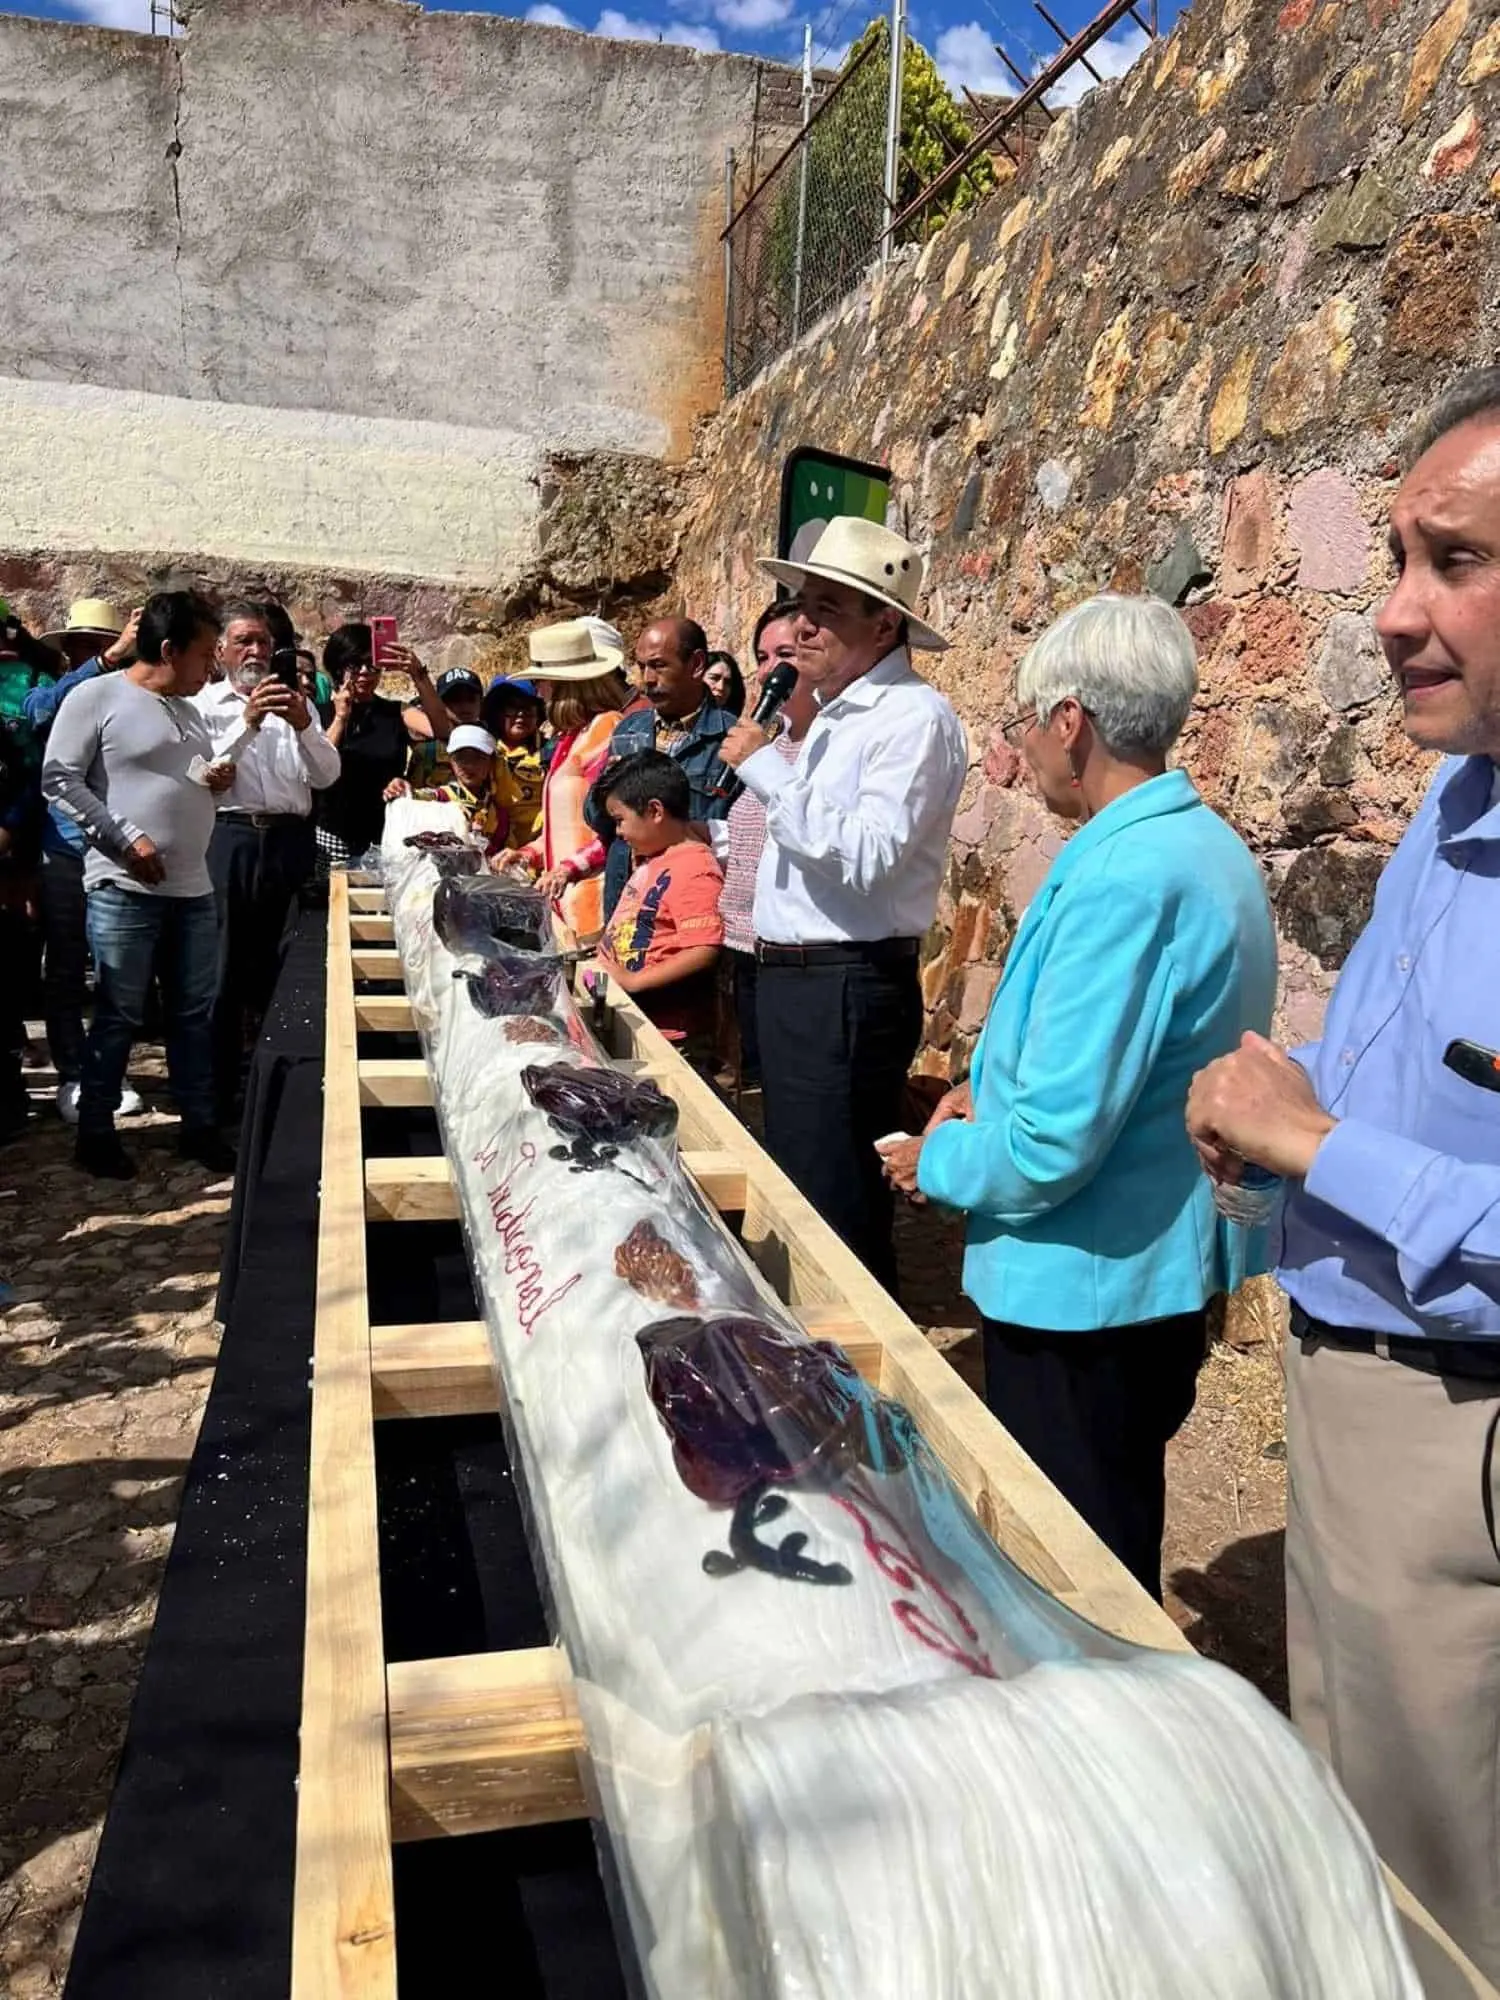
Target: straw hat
<point x="90" y="618"/>
<point x="573" y="652"/>
<point x="871" y="559"/>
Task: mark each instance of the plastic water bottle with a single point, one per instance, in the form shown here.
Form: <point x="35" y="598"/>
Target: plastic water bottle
<point x="1251" y="1200"/>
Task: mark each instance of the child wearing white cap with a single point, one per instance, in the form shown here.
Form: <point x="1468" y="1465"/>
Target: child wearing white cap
<point x="471" y="753"/>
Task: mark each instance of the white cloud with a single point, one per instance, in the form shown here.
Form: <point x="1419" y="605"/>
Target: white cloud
<point x="547" y="16"/>
<point x="620" y="27"/>
<point x="116" y="13"/>
<point x="751" y="16"/>
<point x="966" y="55"/>
<point x="1111" y="57"/>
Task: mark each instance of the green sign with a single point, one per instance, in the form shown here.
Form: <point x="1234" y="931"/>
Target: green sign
<point x="817" y="485"/>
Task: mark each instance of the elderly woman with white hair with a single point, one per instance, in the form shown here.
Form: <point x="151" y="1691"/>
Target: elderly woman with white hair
<point x="1093" y="1243"/>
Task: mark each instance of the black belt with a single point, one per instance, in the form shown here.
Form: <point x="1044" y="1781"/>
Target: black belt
<point x="875" y="951"/>
<point x="1472" y="1360"/>
<point x="262" y="822"/>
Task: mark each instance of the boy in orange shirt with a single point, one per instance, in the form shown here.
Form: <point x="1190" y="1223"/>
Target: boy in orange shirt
<point x="663" y="941"/>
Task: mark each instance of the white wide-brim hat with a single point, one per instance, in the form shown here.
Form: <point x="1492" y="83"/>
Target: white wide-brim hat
<point x="574" y="651"/>
<point x="870" y="559"/>
<point x="89" y="618"/>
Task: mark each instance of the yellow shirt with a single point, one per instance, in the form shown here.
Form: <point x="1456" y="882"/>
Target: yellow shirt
<point x="518" y="786"/>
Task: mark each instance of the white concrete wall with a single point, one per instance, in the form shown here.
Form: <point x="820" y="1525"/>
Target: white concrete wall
<point x="118" y="471"/>
<point x="384" y="220"/>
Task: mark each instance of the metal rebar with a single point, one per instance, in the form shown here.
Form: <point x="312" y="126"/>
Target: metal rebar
<point x="1034" y="93"/>
<point x="1062" y="35"/>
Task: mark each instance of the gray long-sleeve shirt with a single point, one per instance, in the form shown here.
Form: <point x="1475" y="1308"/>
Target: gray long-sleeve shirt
<point x="117" y="763"/>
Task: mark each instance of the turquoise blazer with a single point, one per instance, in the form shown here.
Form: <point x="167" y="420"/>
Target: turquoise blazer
<point x="1147" y="952"/>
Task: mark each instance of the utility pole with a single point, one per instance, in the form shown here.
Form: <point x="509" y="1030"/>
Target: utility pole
<point x="801" y="243"/>
<point x="892" y="188"/>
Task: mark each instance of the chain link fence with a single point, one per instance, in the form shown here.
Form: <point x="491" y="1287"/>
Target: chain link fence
<point x="801" y="238"/>
<point x="802" y="235"/>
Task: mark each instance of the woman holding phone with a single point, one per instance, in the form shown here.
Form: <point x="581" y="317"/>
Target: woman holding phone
<point x="370" y="735"/>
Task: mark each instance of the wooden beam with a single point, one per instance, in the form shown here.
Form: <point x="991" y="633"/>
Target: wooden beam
<point x="394" y="1083"/>
<point x="367" y="902"/>
<point x="446" y="1368"/>
<point x="371" y="930"/>
<point x="441" y="1369"/>
<point x="383" y="1014"/>
<point x="376" y="963"/>
<point x="485" y="1741"/>
<point x="343" y="1917"/>
<point x="422" y="1189"/>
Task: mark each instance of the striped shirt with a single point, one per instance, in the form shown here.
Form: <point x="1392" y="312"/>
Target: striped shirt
<point x="746" y="830"/>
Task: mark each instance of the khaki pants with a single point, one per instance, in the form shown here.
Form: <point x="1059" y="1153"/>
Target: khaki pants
<point x="1393" y="1617"/>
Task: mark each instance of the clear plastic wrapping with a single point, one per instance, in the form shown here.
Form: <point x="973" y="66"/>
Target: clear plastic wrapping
<point x="806" y="1676"/>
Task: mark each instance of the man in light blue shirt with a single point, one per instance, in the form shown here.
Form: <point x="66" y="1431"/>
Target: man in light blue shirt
<point x="1388" y="1132"/>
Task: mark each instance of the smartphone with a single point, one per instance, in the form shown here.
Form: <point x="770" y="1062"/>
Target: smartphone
<point x="284" y="668"/>
<point x="382" y="638"/>
<point x="1474" y="1063"/>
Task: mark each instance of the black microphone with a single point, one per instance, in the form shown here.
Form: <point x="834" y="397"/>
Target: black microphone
<point x="780" y="686"/>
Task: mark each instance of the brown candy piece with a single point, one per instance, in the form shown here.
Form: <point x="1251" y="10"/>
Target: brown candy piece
<point x="649" y="1265"/>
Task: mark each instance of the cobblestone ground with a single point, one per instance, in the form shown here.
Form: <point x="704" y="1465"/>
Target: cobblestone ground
<point x="107" y="1349"/>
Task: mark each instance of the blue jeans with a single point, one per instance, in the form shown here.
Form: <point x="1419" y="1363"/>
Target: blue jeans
<point x="135" y="937"/>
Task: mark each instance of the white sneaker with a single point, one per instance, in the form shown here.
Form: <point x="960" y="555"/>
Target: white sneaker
<point x="131" y="1103"/>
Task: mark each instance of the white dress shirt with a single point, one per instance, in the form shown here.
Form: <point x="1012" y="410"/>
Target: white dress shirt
<point x="276" y="768"/>
<point x="857" y="830"/>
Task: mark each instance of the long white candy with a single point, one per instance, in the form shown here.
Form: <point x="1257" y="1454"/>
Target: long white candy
<point x="932" y="1780"/>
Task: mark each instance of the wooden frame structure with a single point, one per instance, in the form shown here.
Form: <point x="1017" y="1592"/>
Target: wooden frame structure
<point x="452" y="1746"/>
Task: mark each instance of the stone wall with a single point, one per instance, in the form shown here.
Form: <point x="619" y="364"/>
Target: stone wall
<point x="333" y="287"/>
<point x="1181" y="354"/>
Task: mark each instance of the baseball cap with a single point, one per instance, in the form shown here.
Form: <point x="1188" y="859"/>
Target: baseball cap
<point x="458" y="680"/>
<point x="468" y="737"/>
<point x="506" y="685"/>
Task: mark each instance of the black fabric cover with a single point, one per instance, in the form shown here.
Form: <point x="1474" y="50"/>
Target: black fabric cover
<point x="191" y="1897"/>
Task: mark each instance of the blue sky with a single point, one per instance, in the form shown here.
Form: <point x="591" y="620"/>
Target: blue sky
<point x="960" y="33"/>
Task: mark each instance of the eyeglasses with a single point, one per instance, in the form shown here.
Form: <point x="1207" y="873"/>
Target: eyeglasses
<point x="1013" y="730"/>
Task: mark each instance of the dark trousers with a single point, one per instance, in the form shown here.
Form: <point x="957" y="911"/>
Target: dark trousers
<point x="15" y="946"/>
<point x="1095" y="1410"/>
<point x="742" y="971"/>
<point x="65" y="974"/>
<point x="256" y="872"/>
<point x="836" y="1042"/>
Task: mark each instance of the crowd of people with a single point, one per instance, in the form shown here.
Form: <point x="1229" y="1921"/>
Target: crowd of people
<point x="170" y="779"/>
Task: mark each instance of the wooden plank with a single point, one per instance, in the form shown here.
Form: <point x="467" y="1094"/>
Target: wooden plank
<point x="376" y="963"/>
<point x="422" y="1190"/>
<point x="343" y="1919"/>
<point x="394" y="1082"/>
<point x="445" y="1368"/>
<point x="383" y="1013"/>
<point x="371" y="930"/>
<point x="367" y="902"/>
<point x="441" y="1369"/>
<point x="485" y="1741"/>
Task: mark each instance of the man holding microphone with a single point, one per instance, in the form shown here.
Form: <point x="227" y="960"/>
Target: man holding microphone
<point x="856" y="841"/>
<point x="1387" y="1134"/>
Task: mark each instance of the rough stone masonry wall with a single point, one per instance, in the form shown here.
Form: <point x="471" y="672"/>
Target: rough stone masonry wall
<point x="1183" y="353"/>
<point x="336" y="291"/>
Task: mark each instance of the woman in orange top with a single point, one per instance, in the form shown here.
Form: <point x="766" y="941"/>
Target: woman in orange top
<point x="580" y="674"/>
